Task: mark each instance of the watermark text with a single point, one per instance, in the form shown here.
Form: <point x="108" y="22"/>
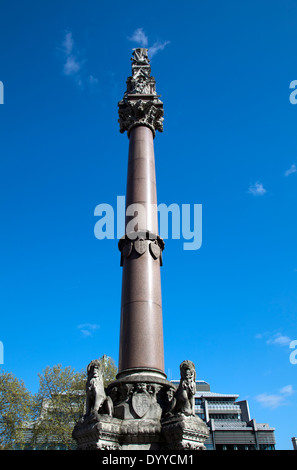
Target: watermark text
<point x="293" y="355"/>
<point x="1" y="93"/>
<point x="1" y="353"/>
<point x="176" y="222"/>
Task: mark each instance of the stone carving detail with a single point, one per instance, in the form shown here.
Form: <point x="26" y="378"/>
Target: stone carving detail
<point x="141" y="400"/>
<point x="140" y="242"/>
<point x="140" y="414"/>
<point x="141" y="105"/>
<point x="140" y="246"/>
<point x="181" y="428"/>
<point x="108" y="447"/>
<point x="140" y="56"/>
<point x="185" y="433"/>
<point x="141" y="82"/>
<point x="138" y="400"/>
<point x="97" y="401"/>
<point x="183" y="401"/>
<point x="127" y="249"/>
<point x="155" y="249"/>
<point x="141" y="113"/>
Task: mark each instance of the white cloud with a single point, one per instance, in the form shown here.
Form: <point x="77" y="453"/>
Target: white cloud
<point x="139" y="37"/>
<point x="270" y="401"/>
<point x="257" y="189"/>
<point x="274" y="338"/>
<point x="87" y="329"/>
<point x="287" y="390"/>
<point x="156" y="47"/>
<point x="273" y="401"/>
<point x="73" y="64"/>
<point x="279" y="339"/>
<point x="68" y="43"/>
<point x="93" y="80"/>
<point x="259" y="335"/>
<point x="292" y="169"/>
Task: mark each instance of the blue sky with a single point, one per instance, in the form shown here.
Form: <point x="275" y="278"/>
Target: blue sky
<point x="229" y="143"/>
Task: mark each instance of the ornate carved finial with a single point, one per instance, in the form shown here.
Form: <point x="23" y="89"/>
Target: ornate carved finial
<point x="141" y="105"/>
<point x="140" y="56"/>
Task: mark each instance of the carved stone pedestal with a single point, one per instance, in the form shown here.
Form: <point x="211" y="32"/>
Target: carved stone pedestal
<point x="146" y="412"/>
<point x="97" y="432"/>
<point x="139" y="401"/>
<point x="106" y="433"/>
<point x="184" y="433"/>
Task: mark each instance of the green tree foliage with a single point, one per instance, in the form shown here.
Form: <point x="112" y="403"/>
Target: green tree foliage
<point x="60" y="402"/>
<point x="16" y="409"/>
<point x="46" y="420"/>
<point x="109" y="369"/>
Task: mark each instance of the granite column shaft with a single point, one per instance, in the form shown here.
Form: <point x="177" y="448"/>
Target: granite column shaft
<point x="141" y="339"/>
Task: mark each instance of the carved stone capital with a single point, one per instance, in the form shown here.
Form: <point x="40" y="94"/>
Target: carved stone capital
<point x="141" y="105"/>
<point x="141" y="112"/>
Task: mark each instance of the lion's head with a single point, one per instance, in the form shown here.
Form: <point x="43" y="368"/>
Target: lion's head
<point x="187" y="370"/>
<point x="94" y="368"/>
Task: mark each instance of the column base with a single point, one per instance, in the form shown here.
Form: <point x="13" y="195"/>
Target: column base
<point x="135" y="374"/>
<point x="101" y="432"/>
<point x="145" y="412"/>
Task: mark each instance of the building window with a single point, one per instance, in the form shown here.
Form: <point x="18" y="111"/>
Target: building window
<point x="224" y="416"/>
<point x="232" y="447"/>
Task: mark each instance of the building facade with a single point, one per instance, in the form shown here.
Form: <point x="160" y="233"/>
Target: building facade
<point x="229" y="422"/>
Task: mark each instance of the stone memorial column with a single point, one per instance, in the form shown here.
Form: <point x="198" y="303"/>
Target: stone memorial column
<point x="140" y="409"/>
<point x="141" y="337"/>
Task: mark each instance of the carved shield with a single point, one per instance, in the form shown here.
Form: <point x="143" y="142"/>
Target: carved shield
<point x="140" y="246"/>
<point x="127" y="250"/>
<point x="141" y="403"/>
<point x="155" y="250"/>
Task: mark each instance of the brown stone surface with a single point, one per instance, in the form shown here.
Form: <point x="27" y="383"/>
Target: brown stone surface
<point x="141" y="178"/>
<point x="141" y="347"/>
<point x="141" y="339"/>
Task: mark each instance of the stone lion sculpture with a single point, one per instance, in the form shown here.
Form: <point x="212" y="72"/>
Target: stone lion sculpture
<point x="184" y="398"/>
<point x="97" y="401"/>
